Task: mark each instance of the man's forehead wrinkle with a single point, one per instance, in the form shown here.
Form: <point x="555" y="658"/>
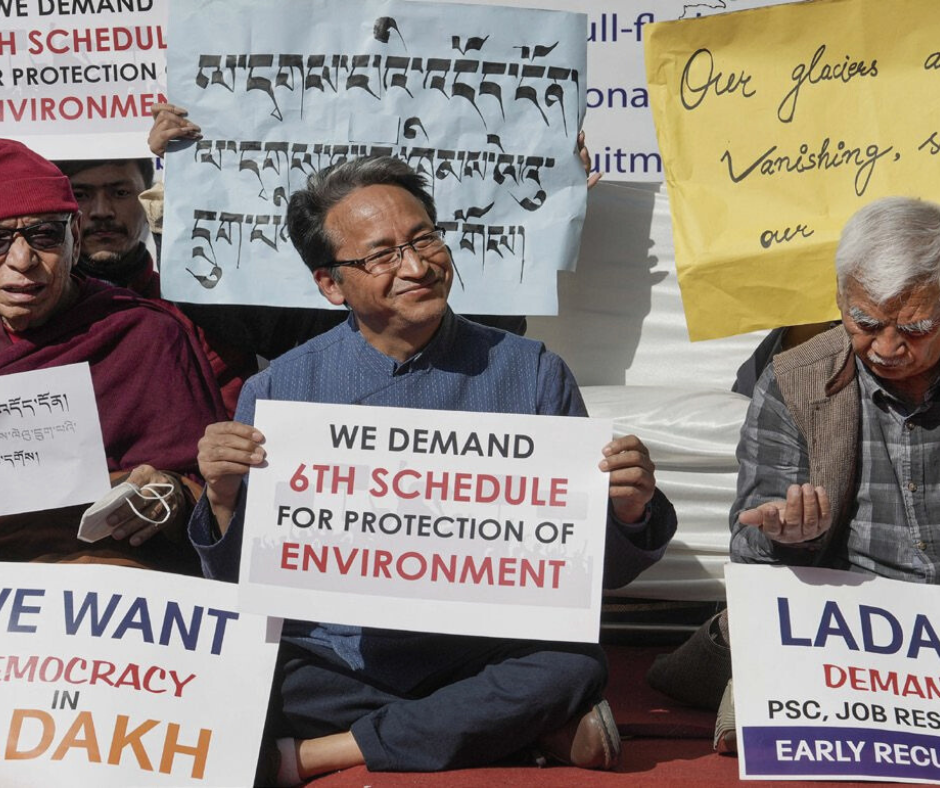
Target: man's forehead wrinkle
<point x="12" y="221"/>
<point x="924" y="323"/>
<point x="902" y="312"/>
<point x="370" y="219"/>
<point x="351" y="220"/>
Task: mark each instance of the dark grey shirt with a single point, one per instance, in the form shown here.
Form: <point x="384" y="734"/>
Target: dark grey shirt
<point x="895" y="523"/>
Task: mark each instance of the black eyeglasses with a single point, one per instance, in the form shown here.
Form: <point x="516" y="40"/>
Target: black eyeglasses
<point x="43" y="236"/>
<point x="387" y="260"/>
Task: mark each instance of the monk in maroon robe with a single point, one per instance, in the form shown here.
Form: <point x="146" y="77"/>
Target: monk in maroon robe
<point x="154" y="388"/>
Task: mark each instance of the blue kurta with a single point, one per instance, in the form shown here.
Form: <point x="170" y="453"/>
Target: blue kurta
<point x="465" y="367"/>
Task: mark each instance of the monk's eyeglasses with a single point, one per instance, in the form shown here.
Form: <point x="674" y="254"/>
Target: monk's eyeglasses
<point x="42" y="237"/>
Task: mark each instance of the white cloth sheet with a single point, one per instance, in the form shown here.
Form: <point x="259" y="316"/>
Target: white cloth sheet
<point x="622" y="330"/>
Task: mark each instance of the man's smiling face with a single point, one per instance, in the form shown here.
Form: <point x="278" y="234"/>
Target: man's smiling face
<point x="399" y="311"/>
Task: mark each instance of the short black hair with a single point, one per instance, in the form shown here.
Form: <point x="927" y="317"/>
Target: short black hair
<point x="72" y="167"/>
<point x="308" y="207"/>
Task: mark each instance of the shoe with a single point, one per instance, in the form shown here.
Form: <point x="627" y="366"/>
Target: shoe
<point x="726" y="736"/>
<point x="697" y="672"/>
<point x="590" y="741"/>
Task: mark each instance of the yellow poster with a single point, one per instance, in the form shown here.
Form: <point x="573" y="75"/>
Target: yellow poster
<point x="777" y="124"/>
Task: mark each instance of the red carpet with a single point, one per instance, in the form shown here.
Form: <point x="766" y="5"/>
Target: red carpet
<point x="665" y="744"/>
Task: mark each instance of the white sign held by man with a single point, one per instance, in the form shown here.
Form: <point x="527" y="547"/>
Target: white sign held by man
<point x="836" y="675"/>
<point x="463" y="523"/>
<point x="51" y="449"/>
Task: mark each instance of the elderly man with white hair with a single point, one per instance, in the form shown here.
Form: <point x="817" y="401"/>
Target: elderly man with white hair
<point x="840" y="451"/>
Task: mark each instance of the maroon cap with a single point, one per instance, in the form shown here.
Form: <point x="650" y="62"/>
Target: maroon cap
<point x="30" y="184"/>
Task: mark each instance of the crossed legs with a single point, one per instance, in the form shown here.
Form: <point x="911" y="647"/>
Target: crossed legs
<point x="492" y="699"/>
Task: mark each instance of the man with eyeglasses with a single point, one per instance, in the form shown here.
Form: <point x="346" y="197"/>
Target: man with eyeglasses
<point x="267" y="331"/>
<point x="153" y="387"/>
<point x="404" y="701"/>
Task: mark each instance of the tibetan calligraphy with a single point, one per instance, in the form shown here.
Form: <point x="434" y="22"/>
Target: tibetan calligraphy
<point x="51" y="449"/>
<point x="484" y="102"/>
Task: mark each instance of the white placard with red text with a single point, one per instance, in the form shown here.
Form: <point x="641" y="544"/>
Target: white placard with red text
<point x="112" y="676"/>
<point x="836" y="675"/>
<point x="78" y="77"/>
<point x="463" y="523"/>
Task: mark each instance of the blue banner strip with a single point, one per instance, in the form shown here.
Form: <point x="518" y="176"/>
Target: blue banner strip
<point x="857" y="752"/>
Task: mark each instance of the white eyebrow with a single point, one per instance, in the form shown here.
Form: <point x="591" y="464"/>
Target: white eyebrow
<point x="863" y="318"/>
<point x="924" y="326"/>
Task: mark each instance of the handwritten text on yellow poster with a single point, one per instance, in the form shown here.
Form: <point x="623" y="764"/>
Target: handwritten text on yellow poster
<point x="775" y="125"/>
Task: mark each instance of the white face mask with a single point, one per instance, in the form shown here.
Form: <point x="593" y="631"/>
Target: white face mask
<point x="94" y="524"/>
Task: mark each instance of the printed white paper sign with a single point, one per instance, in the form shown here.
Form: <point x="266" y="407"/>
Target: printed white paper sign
<point x="836" y="675"/>
<point x="51" y="449"/>
<point x="463" y="523"/>
<point x="116" y="677"/>
<point x="78" y="77"/>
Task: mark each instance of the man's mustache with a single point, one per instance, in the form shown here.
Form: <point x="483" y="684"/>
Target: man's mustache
<point x="105" y="227"/>
<point x="896" y="363"/>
